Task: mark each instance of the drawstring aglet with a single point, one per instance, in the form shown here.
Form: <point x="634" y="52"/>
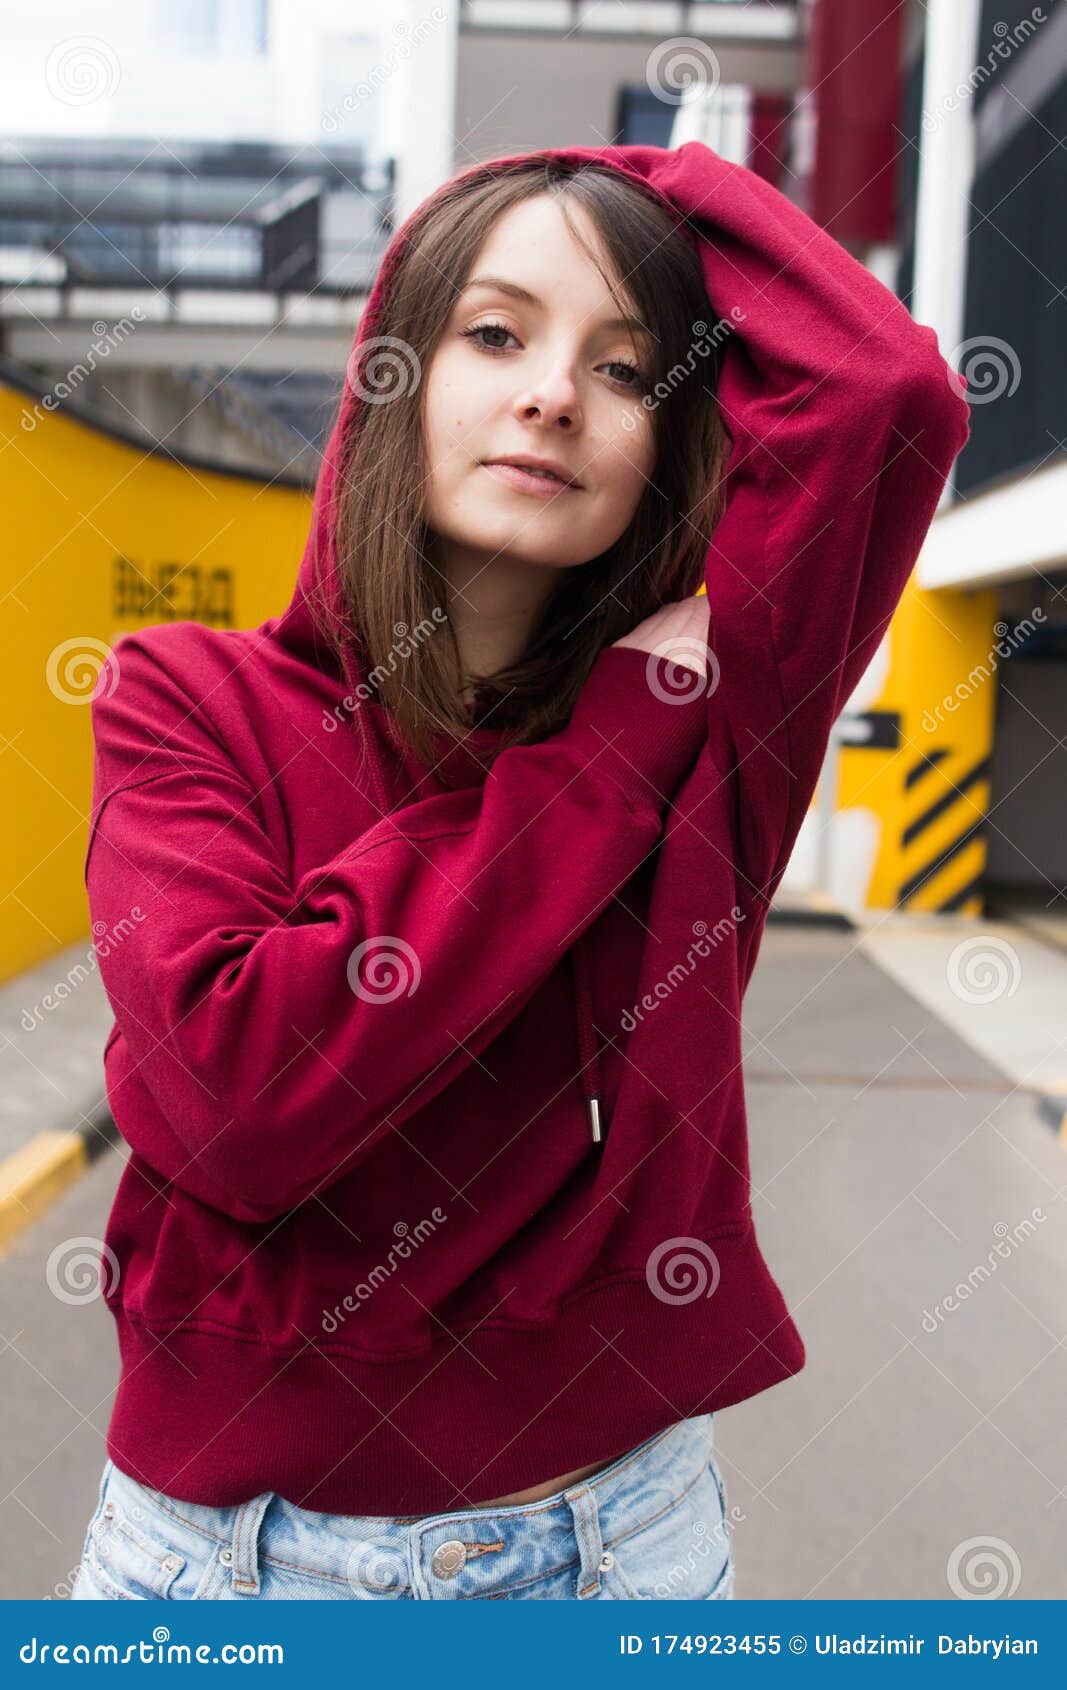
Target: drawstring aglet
<point x="594" y="1120"/>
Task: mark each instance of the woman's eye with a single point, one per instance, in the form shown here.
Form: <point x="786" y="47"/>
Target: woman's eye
<point x="486" y="328"/>
<point x="632" y="376"/>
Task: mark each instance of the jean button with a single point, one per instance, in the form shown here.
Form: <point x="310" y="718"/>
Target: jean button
<point x="449" y="1558"/>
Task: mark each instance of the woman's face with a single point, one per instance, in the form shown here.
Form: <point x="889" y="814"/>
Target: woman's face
<point x="550" y="376"/>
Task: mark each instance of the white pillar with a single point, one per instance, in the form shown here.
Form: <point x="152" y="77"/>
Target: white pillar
<point x="946" y="171"/>
<point x="421" y="99"/>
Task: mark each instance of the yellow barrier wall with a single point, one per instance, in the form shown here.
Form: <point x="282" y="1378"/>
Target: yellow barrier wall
<point x="102" y="538"/>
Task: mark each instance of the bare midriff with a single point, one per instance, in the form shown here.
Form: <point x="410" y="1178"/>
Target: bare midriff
<point x="548" y="1488"/>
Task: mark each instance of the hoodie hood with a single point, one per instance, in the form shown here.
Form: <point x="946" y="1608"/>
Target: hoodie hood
<point x="317" y="583"/>
<point x="317" y="579"/>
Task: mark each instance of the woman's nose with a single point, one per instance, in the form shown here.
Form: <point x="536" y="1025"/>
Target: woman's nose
<point x="554" y="398"/>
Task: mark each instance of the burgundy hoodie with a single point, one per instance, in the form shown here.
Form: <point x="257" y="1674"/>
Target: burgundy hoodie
<point x="365" y="1251"/>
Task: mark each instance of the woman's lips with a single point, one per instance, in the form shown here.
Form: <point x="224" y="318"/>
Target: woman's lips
<point x="541" y="486"/>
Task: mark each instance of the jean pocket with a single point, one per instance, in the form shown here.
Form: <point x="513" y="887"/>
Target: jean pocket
<point x="682" y="1554"/>
<point x="128" y="1560"/>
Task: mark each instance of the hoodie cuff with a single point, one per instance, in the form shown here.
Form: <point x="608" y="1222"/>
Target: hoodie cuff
<point x="636" y="726"/>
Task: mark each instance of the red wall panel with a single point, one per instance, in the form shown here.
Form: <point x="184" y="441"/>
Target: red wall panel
<point x="854" y="77"/>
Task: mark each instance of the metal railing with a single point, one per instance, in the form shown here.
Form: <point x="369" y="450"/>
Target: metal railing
<point x="758" y="19"/>
<point x="215" y="221"/>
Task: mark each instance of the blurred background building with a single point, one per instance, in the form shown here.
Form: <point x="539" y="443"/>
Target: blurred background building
<point x="193" y="202"/>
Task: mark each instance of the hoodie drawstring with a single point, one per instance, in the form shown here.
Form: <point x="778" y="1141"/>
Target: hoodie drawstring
<point x="588" y="1044"/>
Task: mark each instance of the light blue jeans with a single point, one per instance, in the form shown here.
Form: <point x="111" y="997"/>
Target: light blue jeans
<point x="652" y="1524"/>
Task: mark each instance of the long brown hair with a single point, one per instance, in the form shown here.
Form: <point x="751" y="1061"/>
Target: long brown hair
<point x="382" y="542"/>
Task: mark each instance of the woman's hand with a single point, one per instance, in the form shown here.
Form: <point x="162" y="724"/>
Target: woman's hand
<point x="677" y="631"/>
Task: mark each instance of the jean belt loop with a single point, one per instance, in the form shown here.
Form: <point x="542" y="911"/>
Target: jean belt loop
<point x="587" y="1531"/>
<point x="243" y="1552"/>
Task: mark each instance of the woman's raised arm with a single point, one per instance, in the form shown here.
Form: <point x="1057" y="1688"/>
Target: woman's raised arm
<point x="845" y="420"/>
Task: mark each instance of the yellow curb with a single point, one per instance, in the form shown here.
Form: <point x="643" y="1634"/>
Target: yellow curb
<point x="33" y="1177"/>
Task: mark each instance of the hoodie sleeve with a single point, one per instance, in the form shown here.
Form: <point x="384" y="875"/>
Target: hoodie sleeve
<point x="844" y="420"/>
<point x="283" y="1029"/>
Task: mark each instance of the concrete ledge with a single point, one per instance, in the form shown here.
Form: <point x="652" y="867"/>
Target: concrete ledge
<point x="810" y="909"/>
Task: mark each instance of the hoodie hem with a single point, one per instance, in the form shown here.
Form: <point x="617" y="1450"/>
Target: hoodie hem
<point x="483" y="1415"/>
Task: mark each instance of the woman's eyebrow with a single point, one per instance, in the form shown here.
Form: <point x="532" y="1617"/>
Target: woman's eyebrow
<point x="500" y="285"/>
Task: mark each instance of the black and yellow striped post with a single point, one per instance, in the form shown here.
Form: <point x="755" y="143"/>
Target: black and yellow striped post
<point x="913" y="782"/>
<point x="947" y="729"/>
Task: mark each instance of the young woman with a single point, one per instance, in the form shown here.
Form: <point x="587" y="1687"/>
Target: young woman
<point x="433" y="1257"/>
